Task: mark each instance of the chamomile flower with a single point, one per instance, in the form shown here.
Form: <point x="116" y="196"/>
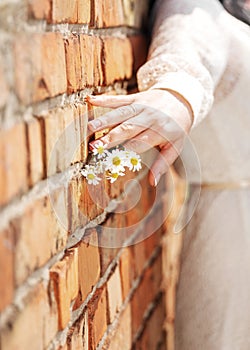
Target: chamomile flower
<point x="89" y="172"/>
<point x="112" y="177"/>
<point x="99" y="150"/>
<point x="115" y="161"/>
<point x="133" y="161"/>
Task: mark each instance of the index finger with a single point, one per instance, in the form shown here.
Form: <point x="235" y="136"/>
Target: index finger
<point x="115" y="117"/>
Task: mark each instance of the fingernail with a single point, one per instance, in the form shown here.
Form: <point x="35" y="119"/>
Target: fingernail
<point x="157" y="179"/>
<point x="95" y="124"/>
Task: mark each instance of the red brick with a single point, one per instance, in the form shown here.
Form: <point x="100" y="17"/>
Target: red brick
<point x="86" y="49"/>
<point x="13" y="163"/>
<point x="65" y="137"/>
<point x="97" y="318"/>
<point x="127" y="270"/>
<point x="78" y="334"/>
<point x="73" y="63"/>
<point x="6" y="268"/>
<point x="111" y="239"/>
<point x="38" y="236"/>
<point x="83" y="11"/>
<point x="107" y="13"/>
<point x="64" y="276"/>
<point x="28" y="325"/>
<point x="153" y="334"/>
<point x="77" y="11"/>
<point x="88" y="263"/>
<point x="84" y="202"/>
<point x="122" y="338"/>
<point x="146" y="292"/>
<point x="117" y="58"/>
<point x="81" y="119"/>
<point x="91" y="48"/>
<point x="64" y="11"/>
<point x="4" y="88"/>
<point x="114" y="293"/>
<point x="139" y="255"/>
<point x="35" y="151"/>
<point x="40" y="67"/>
<point x="39" y="9"/>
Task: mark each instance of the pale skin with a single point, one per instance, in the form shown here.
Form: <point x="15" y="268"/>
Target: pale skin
<point x="153" y="118"/>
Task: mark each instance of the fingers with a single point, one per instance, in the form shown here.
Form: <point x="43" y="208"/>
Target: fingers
<point x="111" y="101"/>
<point x="121" y="134"/>
<point x="145" y="141"/>
<point x="166" y="157"/>
<point x="115" y="117"/>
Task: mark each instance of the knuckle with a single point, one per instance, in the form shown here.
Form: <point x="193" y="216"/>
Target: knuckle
<point x="126" y="128"/>
<point x="129" y="111"/>
<point x="133" y="109"/>
<point x="124" y="111"/>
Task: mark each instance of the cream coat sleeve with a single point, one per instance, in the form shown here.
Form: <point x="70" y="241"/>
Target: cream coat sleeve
<point x="188" y="52"/>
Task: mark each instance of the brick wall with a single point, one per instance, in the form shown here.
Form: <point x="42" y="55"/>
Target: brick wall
<point x="79" y="268"/>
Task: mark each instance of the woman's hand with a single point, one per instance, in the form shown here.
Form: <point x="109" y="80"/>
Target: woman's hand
<point x="145" y="120"/>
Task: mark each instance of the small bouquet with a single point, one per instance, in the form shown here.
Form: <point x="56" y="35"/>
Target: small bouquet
<point x="113" y="163"/>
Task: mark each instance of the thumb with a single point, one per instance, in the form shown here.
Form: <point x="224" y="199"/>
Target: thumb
<point x="110" y="101"/>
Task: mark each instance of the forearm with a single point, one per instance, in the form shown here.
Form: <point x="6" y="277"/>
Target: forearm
<point x="188" y="52"/>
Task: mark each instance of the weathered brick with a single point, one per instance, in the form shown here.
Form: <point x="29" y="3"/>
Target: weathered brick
<point x="146" y="292"/>
<point x="97" y="318"/>
<point x="83" y="11"/>
<point x="118" y="59"/>
<point x="13" y="162"/>
<point x="39" y="9"/>
<point x="139" y="256"/>
<point x="6" y="267"/>
<point x="153" y="334"/>
<point x="88" y="263"/>
<point x="35" y="151"/>
<point x="65" y="137"/>
<point x="79" y="137"/>
<point x="64" y="11"/>
<point x="78" y="334"/>
<point x="114" y="293"/>
<point x="77" y="11"/>
<point x="86" y="50"/>
<point x="38" y="236"/>
<point x="64" y="276"/>
<point x="90" y="49"/>
<point x="73" y="63"/>
<point x="28" y="325"/>
<point x="40" y="67"/>
<point x="127" y="270"/>
<point x="107" y="13"/>
<point x="85" y="202"/>
<point x="122" y="338"/>
<point x="111" y="238"/>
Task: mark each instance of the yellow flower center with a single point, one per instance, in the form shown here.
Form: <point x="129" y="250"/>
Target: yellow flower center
<point x="91" y="176"/>
<point x="116" y="161"/>
<point x="134" y="161"/>
<point x="100" y="150"/>
<point x="115" y="175"/>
